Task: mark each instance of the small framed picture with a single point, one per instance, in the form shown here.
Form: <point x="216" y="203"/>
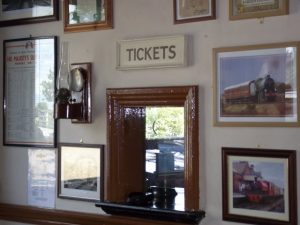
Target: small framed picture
<point x="186" y="11"/>
<point x="80" y="172"/>
<point x="256" y="85"/>
<point x="83" y="15"/>
<point x="18" y="12"/>
<point x="246" y="9"/>
<point x="259" y="186"/>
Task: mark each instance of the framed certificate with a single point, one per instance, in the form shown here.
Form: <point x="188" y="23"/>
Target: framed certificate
<point x="28" y="100"/>
<point x="186" y="11"/>
<point x="246" y="9"/>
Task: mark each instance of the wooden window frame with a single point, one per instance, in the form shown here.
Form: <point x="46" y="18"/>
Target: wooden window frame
<point x="117" y="101"/>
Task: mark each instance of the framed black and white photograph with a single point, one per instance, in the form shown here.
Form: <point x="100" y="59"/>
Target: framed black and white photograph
<point x="17" y="12"/>
<point x="80" y="171"/>
<point x="256" y="85"/>
<point x="186" y="11"/>
<point x="259" y="186"/>
<point x="29" y="87"/>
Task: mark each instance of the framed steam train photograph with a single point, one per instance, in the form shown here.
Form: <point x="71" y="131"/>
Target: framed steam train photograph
<point x="259" y="186"/>
<point x="256" y="85"/>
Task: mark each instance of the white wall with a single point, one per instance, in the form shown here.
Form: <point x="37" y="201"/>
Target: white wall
<point x="144" y="18"/>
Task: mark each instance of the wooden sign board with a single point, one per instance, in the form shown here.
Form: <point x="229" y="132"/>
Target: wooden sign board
<point x="155" y="52"/>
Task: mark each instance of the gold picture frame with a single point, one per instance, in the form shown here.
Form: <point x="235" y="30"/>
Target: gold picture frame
<point x="256" y="85"/>
<point x="241" y="9"/>
<point x="82" y="15"/>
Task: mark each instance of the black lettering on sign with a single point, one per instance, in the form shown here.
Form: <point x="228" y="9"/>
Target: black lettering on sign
<point x="139" y="55"/>
<point x="129" y="53"/>
<point x="173" y="53"/>
<point x="164" y="50"/>
<point x="156" y="53"/>
<point x="147" y="53"/>
<point x="152" y="53"/>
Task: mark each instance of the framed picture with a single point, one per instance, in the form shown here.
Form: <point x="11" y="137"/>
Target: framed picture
<point x="246" y="9"/>
<point x="17" y="12"/>
<point x="28" y="100"/>
<point x="259" y="186"/>
<point x="87" y="15"/>
<point x="186" y="11"/>
<point x="80" y="171"/>
<point x="256" y="85"/>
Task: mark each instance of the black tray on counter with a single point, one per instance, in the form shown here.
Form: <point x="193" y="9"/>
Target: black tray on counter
<point x="193" y="217"/>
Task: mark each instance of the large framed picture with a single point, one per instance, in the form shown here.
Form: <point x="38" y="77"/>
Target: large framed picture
<point x="256" y="85"/>
<point x="87" y="15"/>
<point x="17" y="12"/>
<point x="259" y="186"/>
<point x="186" y="11"/>
<point x="80" y="171"/>
<point x="28" y="100"/>
<point x="246" y="9"/>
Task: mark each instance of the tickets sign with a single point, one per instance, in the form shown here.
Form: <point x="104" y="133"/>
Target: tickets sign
<point x="151" y="52"/>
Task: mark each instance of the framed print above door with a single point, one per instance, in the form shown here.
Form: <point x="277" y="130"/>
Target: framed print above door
<point x="186" y="11"/>
<point x="87" y="15"/>
<point x="18" y="12"/>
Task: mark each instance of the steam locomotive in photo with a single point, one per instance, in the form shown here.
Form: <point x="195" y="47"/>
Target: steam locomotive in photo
<point x="261" y="90"/>
<point x="261" y="190"/>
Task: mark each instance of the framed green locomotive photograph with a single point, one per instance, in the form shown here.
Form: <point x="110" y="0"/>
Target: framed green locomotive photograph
<point x="259" y="186"/>
<point x="256" y="85"/>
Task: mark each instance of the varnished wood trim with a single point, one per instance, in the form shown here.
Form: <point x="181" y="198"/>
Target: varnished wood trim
<point x="117" y="100"/>
<point x="33" y="215"/>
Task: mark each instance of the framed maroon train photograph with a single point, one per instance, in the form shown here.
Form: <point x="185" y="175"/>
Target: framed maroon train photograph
<point x="256" y="85"/>
<point x="259" y="186"/>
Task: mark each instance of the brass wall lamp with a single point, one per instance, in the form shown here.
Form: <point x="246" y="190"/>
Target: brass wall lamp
<point x="73" y="94"/>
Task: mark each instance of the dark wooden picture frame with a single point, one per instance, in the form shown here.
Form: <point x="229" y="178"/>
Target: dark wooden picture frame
<point x="28" y="91"/>
<point x="259" y="186"/>
<point x="190" y="12"/>
<point x="22" y="12"/>
<point x="92" y="17"/>
<point x="81" y="171"/>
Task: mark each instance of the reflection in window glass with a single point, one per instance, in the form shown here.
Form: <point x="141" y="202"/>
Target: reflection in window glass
<point x="86" y="11"/>
<point x="165" y="149"/>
